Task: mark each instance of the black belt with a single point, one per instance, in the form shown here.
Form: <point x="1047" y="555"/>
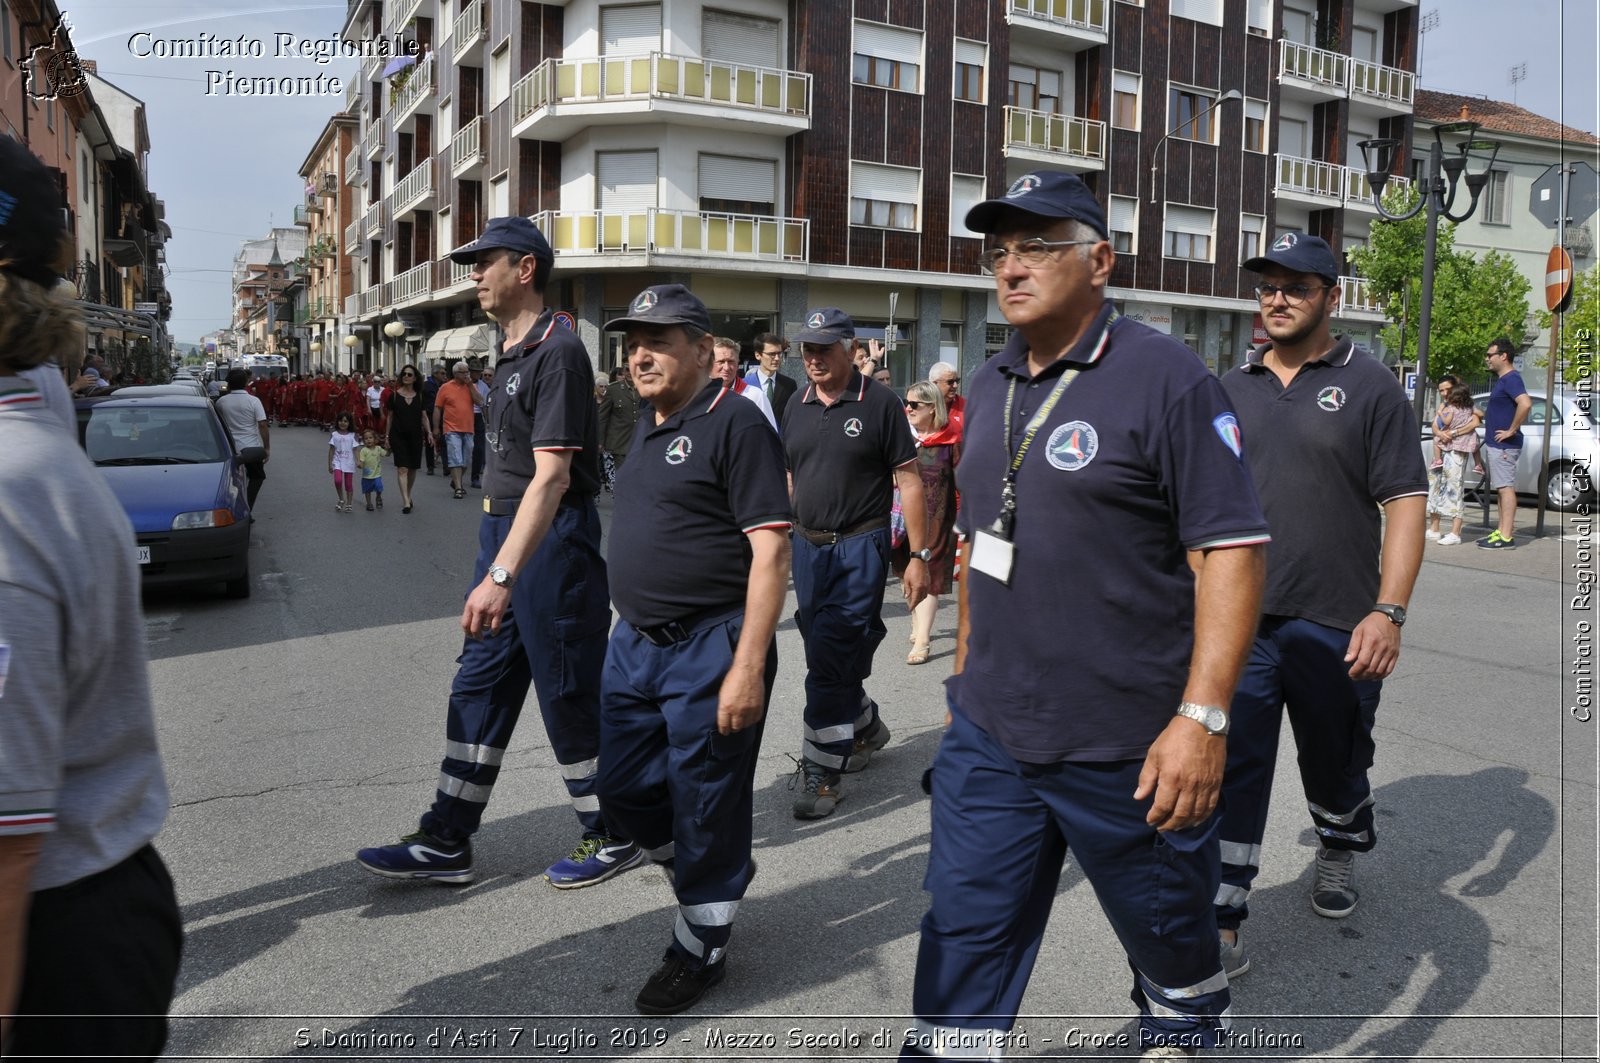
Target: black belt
<point x="507" y="507"/>
<point x="829" y="538"/>
<point x="670" y="634"/>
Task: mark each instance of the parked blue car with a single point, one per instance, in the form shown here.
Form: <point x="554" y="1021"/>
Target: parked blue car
<point x="179" y="479"/>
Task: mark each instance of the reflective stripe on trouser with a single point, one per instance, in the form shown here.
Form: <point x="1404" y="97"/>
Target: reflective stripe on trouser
<point x="839" y="589"/>
<point x="675" y="785"/>
<point x="1299" y="665"/>
<point x="990" y="903"/>
<point x="552" y="638"/>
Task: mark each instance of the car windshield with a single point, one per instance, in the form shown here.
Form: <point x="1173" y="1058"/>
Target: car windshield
<point x="151" y="436"/>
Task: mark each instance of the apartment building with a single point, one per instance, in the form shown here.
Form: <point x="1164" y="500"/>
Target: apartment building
<point x="325" y="274"/>
<point x="94" y="137"/>
<point x="780" y="154"/>
<point x="269" y="277"/>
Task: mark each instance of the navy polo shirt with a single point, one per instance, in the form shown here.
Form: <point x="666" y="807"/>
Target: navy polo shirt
<point x="843" y="456"/>
<point x="691" y="490"/>
<point x="1085" y="655"/>
<point x="542" y="400"/>
<point x="1501" y="409"/>
<point x="1326" y="452"/>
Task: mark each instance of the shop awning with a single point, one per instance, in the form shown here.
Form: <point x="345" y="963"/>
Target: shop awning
<point x="472" y="340"/>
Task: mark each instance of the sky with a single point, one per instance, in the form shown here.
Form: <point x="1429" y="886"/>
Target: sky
<point x="227" y="165"/>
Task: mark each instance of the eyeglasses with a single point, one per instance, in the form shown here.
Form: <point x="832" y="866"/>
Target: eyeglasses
<point x="1032" y="253"/>
<point x="404" y="376"/>
<point x="1294" y="294"/>
<point x="913" y="404"/>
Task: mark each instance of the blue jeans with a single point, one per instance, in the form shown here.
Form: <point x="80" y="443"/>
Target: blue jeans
<point x="553" y="638"/>
<point x="457" y="450"/>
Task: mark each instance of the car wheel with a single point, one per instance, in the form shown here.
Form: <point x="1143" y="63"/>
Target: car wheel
<point x="238" y="588"/>
<point x="1567" y="487"/>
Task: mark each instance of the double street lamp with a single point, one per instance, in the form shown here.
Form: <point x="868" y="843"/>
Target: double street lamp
<point x="1439" y="185"/>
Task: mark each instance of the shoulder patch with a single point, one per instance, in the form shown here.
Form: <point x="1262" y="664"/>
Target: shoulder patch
<point x="1227" y="427"/>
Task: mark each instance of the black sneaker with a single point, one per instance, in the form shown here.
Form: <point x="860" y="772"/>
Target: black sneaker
<point x="819" y="791"/>
<point x="677" y="985"/>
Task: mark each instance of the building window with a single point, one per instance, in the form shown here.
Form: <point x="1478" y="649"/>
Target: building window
<point x="1207" y="11"/>
<point x="1255" y="125"/>
<point x="1034" y="89"/>
<point x="965" y="193"/>
<point x="731" y="185"/>
<point x="1258" y="17"/>
<point x="630" y="29"/>
<point x="887" y="56"/>
<point x="1123" y="221"/>
<point x="969" y="71"/>
<point x="500" y="76"/>
<point x="1251" y="226"/>
<point x="884" y="197"/>
<point x="1188" y="233"/>
<point x="1124" y="100"/>
<point x="1497" y="198"/>
<point x="1188" y="116"/>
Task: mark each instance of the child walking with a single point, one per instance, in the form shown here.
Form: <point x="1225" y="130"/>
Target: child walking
<point x="371" y="457"/>
<point x="342" y="461"/>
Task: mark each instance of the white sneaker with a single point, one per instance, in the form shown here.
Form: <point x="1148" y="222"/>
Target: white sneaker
<point x="1431" y="534"/>
<point x="1450" y="540"/>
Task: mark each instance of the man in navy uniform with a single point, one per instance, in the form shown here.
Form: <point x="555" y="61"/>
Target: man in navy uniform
<point x="699" y="554"/>
<point x="848" y="446"/>
<point x="1339" y="578"/>
<point x="538" y="612"/>
<point x="1114" y="565"/>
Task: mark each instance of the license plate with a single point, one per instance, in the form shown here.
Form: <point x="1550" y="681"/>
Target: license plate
<point x="143" y="554"/>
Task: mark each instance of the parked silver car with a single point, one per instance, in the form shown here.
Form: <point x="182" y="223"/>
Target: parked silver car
<point x="1574" y="447"/>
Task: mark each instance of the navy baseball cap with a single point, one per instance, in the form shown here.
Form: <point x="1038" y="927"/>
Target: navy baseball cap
<point x="827" y="325"/>
<point x="1047" y="193"/>
<point x="1300" y="253"/>
<point x="31" y="225"/>
<point x="664" y="304"/>
<point x="513" y="234"/>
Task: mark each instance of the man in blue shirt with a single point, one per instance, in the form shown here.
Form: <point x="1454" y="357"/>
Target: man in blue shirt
<point x="1114" y="567"/>
<point x="1509" y="406"/>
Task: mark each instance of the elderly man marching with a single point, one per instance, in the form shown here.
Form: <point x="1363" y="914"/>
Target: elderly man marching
<point x="699" y="552"/>
<point x="848" y="447"/>
<point x="1114" y="571"/>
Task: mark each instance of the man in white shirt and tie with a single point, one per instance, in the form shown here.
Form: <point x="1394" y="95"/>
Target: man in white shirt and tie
<point x="773" y="384"/>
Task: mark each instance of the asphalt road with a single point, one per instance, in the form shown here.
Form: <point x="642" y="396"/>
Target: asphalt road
<point x="307" y="722"/>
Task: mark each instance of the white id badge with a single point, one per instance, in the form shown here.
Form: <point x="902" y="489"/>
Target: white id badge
<point x="993" y="556"/>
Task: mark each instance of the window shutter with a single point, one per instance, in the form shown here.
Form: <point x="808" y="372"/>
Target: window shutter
<point x="1123" y="210"/>
<point x="1124" y="82"/>
<point x="627" y="180"/>
<point x="969" y="52"/>
<point x="739" y="39"/>
<point x="1208" y="11"/>
<point x="726" y="177"/>
<point x="1189" y="220"/>
<point x="890" y="184"/>
<point x="631" y="30"/>
<point x="888" y="42"/>
<point x="965" y="193"/>
<point x="1258" y="16"/>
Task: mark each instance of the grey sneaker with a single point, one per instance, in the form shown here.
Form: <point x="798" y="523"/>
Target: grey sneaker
<point x="1234" y="960"/>
<point x="1333" y="896"/>
<point x="819" y="793"/>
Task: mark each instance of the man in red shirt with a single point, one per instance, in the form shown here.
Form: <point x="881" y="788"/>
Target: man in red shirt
<point x="453" y="408"/>
<point x="943" y="375"/>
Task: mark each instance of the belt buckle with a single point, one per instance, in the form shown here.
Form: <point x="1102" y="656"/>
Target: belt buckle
<point x="486" y="507"/>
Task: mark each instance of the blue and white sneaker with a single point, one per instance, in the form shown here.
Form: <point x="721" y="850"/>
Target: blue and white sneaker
<point x="421" y="856"/>
<point x="594" y="860"/>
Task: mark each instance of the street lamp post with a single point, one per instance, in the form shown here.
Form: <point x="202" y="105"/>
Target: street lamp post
<point x="1226" y="97"/>
<point x="1438" y="189"/>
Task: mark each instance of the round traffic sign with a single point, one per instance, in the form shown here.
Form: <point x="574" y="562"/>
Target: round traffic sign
<point x="1557" y="280"/>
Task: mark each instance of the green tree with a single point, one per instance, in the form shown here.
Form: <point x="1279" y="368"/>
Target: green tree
<point x="1580" y="327"/>
<point x="1474" y="300"/>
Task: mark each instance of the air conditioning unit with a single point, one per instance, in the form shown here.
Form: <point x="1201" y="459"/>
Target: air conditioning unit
<point x="1580" y="241"/>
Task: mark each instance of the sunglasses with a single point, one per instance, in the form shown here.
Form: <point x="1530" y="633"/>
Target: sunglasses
<point x="913" y="404"/>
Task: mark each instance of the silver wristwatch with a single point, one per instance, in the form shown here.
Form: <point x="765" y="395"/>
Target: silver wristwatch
<point x="1213" y="719"/>
<point x="925" y="554"/>
<point x="501" y="576"/>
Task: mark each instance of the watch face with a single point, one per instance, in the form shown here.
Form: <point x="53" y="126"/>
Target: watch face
<point x="1216" y="720"/>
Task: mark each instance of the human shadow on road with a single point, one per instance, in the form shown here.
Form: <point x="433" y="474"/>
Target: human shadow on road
<point x="1432" y="829"/>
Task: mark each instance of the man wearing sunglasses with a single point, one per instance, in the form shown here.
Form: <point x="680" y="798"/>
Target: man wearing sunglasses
<point x="1113" y="567"/>
<point x="1330" y="439"/>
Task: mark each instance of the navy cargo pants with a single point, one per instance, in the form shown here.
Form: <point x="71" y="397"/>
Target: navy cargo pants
<point x="553" y="638"/>
<point x="671" y="782"/>
<point x="1001" y="830"/>
<point x="1300" y="664"/>
<point x="839" y="589"/>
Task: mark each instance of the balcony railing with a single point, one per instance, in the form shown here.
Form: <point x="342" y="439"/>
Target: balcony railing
<point x="558" y="82"/>
<point x="466" y="147"/>
<point x="371" y="299"/>
<point x="1082" y="138"/>
<point x="301" y="215"/>
<point x="418" y="87"/>
<point x="353" y="164"/>
<point x="460" y="272"/>
<point x="676" y="232"/>
<point x="1317" y="65"/>
<point x="1384" y="82"/>
<point x="1076" y="14"/>
<point x="403" y="11"/>
<point x="412" y="284"/>
<point x="1354" y="294"/>
<point x="352" y="305"/>
<point x="415" y="187"/>
<point x="372" y="221"/>
<point x="1328" y="180"/>
<point x="467" y="29"/>
<point x="352" y="235"/>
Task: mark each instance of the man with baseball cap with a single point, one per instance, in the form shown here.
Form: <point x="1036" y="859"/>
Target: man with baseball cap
<point x="1114" y="563"/>
<point x="848" y="445"/>
<point x="699" y="556"/>
<point x="538" y="612"/>
<point x="1330" y="440"/>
